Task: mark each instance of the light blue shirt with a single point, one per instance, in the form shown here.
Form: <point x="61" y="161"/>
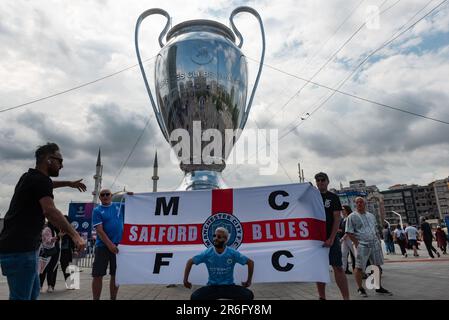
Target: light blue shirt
<point x="220" y="265"/>
<point x="111" y="217"/>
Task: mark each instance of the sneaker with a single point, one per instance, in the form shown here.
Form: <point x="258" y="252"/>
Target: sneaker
<point x="383" y="291"/>
<point x="438" y="254"/>
<point x="50" y="289"/>
<point x="405" y="255"/>
<point x="362" y="292"/>
<point x="348" y="272"/>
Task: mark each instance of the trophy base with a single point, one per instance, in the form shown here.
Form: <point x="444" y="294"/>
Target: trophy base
<point x="202" y="180"/>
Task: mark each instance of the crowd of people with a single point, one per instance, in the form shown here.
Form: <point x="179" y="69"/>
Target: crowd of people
<point x="409" y="237"/>
<point x="31" y="250"/>
<point x="359" y="239"/>
<point x="349" y="232"/>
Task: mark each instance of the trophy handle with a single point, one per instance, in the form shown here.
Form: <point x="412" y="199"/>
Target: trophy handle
<point x="161" y="36"/>
<point x="239" y="35"/>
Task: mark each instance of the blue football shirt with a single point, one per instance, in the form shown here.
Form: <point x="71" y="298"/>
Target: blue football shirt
<point x="111" y="217"/>
<point x="220" y="265"/>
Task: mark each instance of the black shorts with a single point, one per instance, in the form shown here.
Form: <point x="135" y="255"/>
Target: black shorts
<point x="412" y="242"/>
<point x="335" y="254"/>
<point x="102" y="258"/>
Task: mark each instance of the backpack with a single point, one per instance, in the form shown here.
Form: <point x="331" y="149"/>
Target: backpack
<point x="402" y="236"/>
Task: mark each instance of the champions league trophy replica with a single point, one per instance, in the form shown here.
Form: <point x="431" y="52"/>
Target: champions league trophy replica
<point x="201" y="83"/>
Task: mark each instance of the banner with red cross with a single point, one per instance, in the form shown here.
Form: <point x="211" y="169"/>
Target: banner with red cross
<point x="281" y="228"/>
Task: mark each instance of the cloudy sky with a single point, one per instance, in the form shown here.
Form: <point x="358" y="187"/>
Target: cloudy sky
<point x="48" y="47"/>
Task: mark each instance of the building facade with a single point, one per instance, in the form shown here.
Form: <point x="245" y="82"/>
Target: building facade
<point x="424" y="201"/>
<point x="440" y="189"/>
<point x="401" y="200"/>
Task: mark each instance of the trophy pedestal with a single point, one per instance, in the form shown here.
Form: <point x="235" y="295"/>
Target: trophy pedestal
<point x="202" y="180"/>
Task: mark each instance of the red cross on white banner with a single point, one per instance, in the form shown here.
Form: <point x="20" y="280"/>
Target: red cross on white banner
<point x="280" y="226"/>
<point x="222" y="201"/>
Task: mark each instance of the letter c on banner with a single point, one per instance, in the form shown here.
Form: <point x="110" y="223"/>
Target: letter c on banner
<point x="275" y="260"/>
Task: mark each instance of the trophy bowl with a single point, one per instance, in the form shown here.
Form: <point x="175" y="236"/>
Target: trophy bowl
<point x="201" y="85"/>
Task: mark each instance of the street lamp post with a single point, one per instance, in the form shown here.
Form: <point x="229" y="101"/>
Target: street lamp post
<point x="400" y="218"/>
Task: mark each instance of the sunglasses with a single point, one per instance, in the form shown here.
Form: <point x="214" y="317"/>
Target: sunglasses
<point x="56" y="158"/>
<point x="107" y="194"/>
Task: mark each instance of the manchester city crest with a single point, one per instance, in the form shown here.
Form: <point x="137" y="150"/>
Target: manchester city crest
<point x="227" y="221"/>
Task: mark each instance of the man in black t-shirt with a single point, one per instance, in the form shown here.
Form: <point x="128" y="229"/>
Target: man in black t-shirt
<point x="31" y="203"/>
<point x="332" y="206"/>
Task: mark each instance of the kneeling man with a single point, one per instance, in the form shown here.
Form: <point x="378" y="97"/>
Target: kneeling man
<point x="220" y="261"/>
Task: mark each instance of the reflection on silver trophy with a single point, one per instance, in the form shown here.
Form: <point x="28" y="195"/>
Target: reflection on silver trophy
<point x="201" y="83"/>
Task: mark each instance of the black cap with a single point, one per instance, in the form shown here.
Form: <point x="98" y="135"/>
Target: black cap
<point x="321" y="175"/>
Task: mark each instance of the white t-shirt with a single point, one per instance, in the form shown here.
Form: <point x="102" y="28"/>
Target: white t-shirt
<point x="412" y="232"/>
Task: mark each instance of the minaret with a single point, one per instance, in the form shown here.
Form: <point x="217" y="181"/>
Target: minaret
<point x="97" y="178"/>
<point x="300" y="173"/>
<point x="155" y="178"/>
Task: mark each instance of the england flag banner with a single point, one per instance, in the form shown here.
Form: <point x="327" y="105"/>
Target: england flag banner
<point x="281" y="228"/>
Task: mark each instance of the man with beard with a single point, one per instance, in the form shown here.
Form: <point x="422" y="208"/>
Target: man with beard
<point x="31" y="203"/>
<point x="220" y="261"/>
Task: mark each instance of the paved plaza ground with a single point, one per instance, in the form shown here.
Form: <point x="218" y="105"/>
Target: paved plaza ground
<point x="407" y="278"/>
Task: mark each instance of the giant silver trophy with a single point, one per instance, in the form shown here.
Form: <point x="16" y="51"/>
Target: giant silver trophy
<point x="201" y="75"/>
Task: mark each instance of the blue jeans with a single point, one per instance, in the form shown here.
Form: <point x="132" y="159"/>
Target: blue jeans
<point x="21" y="270"/>
<point x="389" y="246"/>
